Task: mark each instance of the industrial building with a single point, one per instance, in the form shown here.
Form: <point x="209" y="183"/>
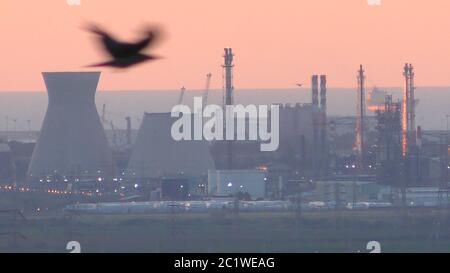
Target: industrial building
<point x="72" y="142"/>
<point x="304" y="139"/>
<point x="232" y="182"/>
<point x="349" y="191"/>
<point x="320" y="158"/>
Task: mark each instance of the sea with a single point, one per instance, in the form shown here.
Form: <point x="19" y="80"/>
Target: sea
<point x="25" y="110"/>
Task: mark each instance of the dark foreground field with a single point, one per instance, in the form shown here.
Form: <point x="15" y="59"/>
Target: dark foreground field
<point x="49" y="231"/>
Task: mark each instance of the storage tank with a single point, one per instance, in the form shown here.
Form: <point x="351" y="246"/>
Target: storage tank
<point x="72" y="140"/>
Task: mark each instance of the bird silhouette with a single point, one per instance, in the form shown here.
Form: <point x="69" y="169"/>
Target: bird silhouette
<point x="299" y="84"/>
<point x="125" y="54"/>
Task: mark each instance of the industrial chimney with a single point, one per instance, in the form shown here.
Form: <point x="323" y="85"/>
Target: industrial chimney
<point x="71" y="140"/>
<point x="412" y="106"/>
<point x="228" y="96"/>
<point x="315" y="90"/>
<point x="316" y="155"/>
<point x="323" y="125"/>
<point x="360" y="128"/>
<point x="323" y="93"/>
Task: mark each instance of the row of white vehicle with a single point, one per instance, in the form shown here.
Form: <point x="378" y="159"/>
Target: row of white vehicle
<point x="319" y="205"/>
<point x="210" y="206"/>
<point x="177" y="206"/>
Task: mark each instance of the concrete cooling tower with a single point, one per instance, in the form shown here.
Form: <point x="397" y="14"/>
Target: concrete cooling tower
<point x="156" y="154"/>
<point x="72" y="140"/>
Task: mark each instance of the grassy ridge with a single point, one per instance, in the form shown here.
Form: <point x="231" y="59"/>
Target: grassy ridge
<point x="49" y="231"/>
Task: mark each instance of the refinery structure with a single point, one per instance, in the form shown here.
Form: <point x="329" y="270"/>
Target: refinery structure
<point x="381" y="152"/>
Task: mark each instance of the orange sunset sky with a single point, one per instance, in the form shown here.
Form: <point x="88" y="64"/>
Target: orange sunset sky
<point x="276" y="43"/>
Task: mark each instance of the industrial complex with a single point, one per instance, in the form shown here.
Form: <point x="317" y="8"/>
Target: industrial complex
<point x="380" y="157"/>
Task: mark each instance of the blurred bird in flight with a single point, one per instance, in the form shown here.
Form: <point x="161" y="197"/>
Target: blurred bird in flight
<point x="125" y="54"/>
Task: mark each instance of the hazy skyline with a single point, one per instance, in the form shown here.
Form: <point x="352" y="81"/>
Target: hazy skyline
<point x="276" y="43"/>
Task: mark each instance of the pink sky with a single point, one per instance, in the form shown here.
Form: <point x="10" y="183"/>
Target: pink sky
<point x="276" y="43"/>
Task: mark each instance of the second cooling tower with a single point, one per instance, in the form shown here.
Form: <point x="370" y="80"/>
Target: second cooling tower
<point x="156" y="154"/>
<point x="72" y="140"/>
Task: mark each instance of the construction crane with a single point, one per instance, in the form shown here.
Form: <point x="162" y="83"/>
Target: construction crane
<point x="105" y="122"/>
<point x="180" y="99"/>
<point x="208" y="83"/>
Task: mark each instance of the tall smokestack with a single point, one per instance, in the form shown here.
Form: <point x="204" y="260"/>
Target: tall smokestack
<point x="228" y="71"/>
<point x="360" y="118"/>
<point x="315" y="90"/>
<point x="323" y="93"/>
<point x="228" y="97"/>
<point x="412" y="106"/>
<point x="405" y="110"/>
<point x="323" y="125"/>
<point x="315" y="122"/>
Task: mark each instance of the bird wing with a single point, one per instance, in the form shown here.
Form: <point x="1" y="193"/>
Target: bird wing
<point x="125" y="62"/>
<point x="118" y="49"/>
<point x="152" y="35"/>
<point x="114" y="48"/>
